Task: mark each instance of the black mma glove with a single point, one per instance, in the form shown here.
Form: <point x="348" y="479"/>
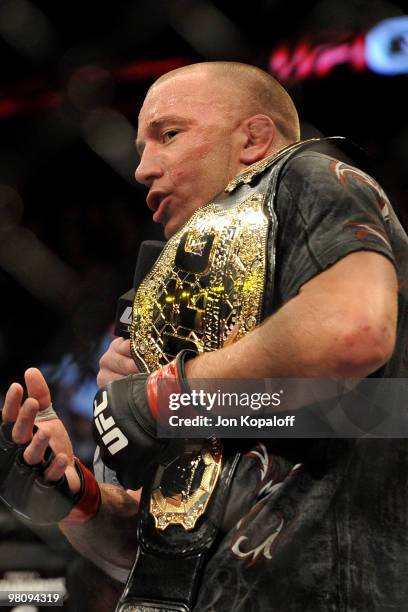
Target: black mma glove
<point x="24" y="490"/>
<point x="124" y="426"/>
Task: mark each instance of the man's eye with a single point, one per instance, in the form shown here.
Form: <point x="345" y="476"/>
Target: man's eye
<point x="169" y="135"/>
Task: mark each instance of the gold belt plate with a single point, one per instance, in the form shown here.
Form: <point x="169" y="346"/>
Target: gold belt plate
<point x="185" y="486"/>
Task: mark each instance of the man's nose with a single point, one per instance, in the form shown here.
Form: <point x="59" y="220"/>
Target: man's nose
<point x="148" y="169"/>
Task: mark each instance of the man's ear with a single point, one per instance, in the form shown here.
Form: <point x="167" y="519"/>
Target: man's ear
<point x="260" y="132"/>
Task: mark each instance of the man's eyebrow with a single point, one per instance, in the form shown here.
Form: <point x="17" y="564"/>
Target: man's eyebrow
<point x="156" y="124"/>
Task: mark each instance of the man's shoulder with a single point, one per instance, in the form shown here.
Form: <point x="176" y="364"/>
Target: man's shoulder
<point x="303" y="163"/>
<point x="320" y="171"/>
<point x="298" y="155"/>
<point x="306" y="162"/>
<point x="304" y="158"/>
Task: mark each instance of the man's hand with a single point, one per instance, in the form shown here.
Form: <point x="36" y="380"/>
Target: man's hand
<point x="116" y="363"/>
<point x="54" y="429"/>
<point x="50" y="433"/>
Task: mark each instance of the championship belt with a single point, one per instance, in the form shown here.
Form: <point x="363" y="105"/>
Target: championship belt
<point x="207" y="284"/>
<point x="182" y="490"/>
<point x="209" y="279"/>
<point x="212" y="281"/>
<point x="169" y="563"/>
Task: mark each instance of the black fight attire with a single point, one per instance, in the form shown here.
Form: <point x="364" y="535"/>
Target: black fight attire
<point x="319" y="525"/>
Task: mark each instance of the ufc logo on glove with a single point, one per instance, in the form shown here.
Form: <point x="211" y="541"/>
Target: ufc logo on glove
<point x="112" y="437"/>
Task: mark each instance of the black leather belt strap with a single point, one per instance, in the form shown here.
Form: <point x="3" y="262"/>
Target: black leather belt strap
<point x="168" y="568"/>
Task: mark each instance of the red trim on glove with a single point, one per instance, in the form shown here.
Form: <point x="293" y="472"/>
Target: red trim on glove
<point x="169" y="383"/>
<point x="88" y="505"/>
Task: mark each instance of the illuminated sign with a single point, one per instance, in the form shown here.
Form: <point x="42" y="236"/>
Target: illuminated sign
<point x="387" y="46"/>
<point x="384" y="49"/>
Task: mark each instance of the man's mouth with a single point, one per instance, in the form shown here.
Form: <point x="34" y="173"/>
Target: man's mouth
<point x="160" y="214"/>
<point x="154" y="198"/>
<point x="156" y="201"/>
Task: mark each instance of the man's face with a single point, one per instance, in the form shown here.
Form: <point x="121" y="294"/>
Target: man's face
<point x="189" y="140"/>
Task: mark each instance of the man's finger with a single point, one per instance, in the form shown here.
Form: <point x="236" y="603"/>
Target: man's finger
<point x="12" y="402"/>
<point x="34" y="453"/>
<point x="117" y="342"/>
<point x="124" y="347"/>
<point x="125" y="365"/>
<point x="58" y="436"/>
<point x="23" y="427"/>
<point x="117" y="358"/>
<point x="135" y="494"/>
<point x="57" y="468"/>
<point x="106" y="376"/>
<point x="116" y="362"/>
<point x="37" y="387"/>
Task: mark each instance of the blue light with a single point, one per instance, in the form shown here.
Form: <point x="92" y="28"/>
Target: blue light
<point x="386" y="47"/>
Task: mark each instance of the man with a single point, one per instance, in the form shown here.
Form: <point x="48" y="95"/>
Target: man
<point x="306" y="526"/>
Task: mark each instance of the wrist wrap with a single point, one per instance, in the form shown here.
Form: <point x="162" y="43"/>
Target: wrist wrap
<point x="171" y="378"/>
<point x="89" y="503"/>
<point x="23" y="487"/>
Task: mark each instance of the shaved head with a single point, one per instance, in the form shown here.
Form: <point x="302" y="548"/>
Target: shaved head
<point x="249" y="91"/>
<point x="202" y="125"/>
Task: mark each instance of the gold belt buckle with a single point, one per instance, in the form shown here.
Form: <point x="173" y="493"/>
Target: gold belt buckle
<point x="183" y="487"/>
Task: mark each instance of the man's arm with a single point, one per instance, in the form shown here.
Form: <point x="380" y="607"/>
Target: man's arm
<point x="341" y="324"/>
<point x="108" y="539"/>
